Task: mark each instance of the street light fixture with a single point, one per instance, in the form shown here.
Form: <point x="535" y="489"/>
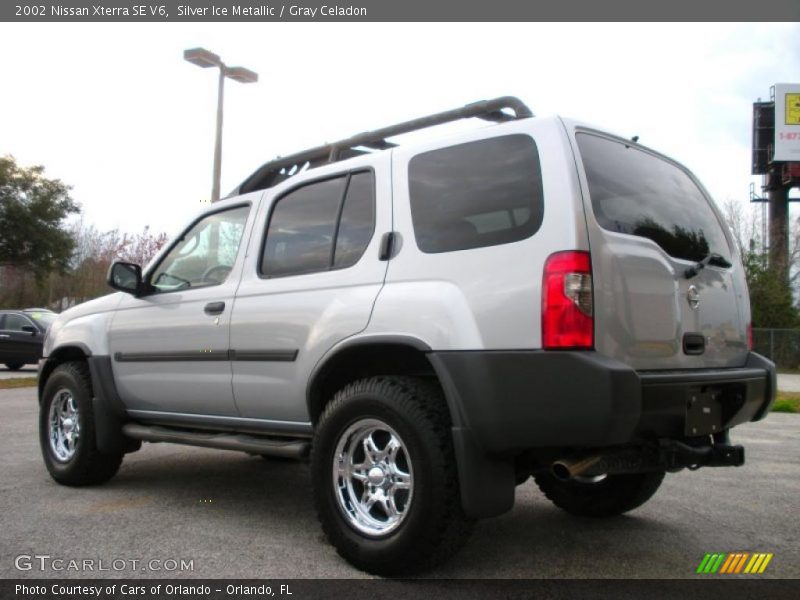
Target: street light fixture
<point x="205" y="59"/>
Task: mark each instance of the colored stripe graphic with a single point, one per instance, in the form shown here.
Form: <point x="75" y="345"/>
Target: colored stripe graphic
<point x="753" y="564"/>
<point x="734" y="563"/>
<point x="710" y="567"/>
<point x="703" y="563"/>
<point x="766" y="562"/>
<point x="742" y="560"/>
<point x="728" y="564"/>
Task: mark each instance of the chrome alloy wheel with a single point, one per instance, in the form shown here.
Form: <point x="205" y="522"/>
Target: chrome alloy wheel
<point x="65" y="425"/>
<point x="372" y="477"/>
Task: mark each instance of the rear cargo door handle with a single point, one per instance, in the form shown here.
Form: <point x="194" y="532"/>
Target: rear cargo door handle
<point x="694" y="344"/>
<point x="214" y="308"/>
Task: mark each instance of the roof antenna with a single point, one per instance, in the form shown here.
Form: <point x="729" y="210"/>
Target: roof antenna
<point x="635" y="139"/>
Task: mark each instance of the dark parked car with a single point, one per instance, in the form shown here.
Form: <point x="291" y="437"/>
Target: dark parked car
<point x="22" y="334"/>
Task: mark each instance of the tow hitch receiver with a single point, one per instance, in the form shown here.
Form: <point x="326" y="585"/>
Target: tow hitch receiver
<point x="678" y="455"/>
<point x="669" y="455"/>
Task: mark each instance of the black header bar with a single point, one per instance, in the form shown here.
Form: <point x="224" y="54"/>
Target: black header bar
<point x="397" y="10"/>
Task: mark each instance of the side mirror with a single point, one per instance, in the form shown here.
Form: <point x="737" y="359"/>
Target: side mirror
<point x="125" y="277"/>
<point x="30" y="329"/>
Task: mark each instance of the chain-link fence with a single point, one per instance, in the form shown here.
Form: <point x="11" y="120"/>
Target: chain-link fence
<point x="781" y="346"/>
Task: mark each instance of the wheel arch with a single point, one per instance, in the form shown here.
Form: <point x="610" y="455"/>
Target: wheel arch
<point x="486" y="483"/>
<point x="74" y="351"/>
<point x="362" y="357"/>
<point x="108" y="408"/>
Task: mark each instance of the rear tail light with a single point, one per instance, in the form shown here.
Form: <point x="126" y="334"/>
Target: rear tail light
<point x="567" y="301"/>
<point x="749" y="336"/>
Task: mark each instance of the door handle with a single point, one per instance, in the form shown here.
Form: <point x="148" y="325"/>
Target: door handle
<point x="3" y="335"/>
<point x="214" y="308"/>
<point x="387" y="245"/>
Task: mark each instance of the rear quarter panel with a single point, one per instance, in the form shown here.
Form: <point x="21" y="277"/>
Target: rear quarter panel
<point x="482" y="298"/>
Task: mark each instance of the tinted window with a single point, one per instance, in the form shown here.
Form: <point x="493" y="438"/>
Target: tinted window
<point x="301" y="229"/>
<point x="638" y="193"/>
<point x="476" y="194"/>
<point x="44" y="319"/>
<point x="15" y="322"/>
<point x="357" y="222"/>
<point x="204" y="255"/>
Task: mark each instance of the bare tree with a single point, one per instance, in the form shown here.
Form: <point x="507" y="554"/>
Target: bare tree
<point x="85" y="278"/>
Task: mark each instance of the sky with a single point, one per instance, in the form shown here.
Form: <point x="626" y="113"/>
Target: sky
<point x="114" y="111"/>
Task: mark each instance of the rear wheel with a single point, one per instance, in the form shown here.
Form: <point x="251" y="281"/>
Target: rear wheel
<point x="385" y="480"/>
<point x="14" y="366"/>
<point x="66" y="429"/>
<point x="604" y="496"/>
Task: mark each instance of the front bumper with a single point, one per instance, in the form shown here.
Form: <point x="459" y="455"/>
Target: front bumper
<point x="513" y="401"/>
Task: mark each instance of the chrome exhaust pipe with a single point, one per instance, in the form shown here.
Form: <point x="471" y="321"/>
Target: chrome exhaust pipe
<point x="566" y="468"/>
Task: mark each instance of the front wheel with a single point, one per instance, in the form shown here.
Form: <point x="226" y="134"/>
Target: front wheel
<point x="66" y="429"/>
<point x="384" y="473"/>
<point x="14" y="366"/>
<point x="603" y="496"/>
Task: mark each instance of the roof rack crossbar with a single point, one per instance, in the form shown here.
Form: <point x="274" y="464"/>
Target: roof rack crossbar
<point x="276" y="170"/>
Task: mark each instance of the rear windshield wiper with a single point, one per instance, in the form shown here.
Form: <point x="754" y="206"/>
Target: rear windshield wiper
<point x="712" y="258"/>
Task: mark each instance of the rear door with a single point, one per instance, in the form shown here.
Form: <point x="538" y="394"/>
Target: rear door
<point x="310" y="281"/>
<point x="649" y="222"/>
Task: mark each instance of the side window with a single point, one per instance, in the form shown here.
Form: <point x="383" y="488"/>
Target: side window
<point x="477" y="194"/>
<point x="320" y="226"/>
<point x="204" y="255"/>
<point x="358" y="220"/>
<point x="15" y="322"/>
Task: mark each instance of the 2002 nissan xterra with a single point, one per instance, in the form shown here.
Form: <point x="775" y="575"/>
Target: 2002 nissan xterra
<point x="434" y="323"/>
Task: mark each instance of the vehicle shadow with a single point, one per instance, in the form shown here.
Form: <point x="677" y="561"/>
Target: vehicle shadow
<point x="536" y="539"/>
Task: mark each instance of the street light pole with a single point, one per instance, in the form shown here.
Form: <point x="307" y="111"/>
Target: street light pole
<point x="203" y="58"/>
<point x="218" y="141"/>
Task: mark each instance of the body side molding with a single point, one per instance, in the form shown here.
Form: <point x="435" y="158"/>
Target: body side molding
<point x="278" y="355"/>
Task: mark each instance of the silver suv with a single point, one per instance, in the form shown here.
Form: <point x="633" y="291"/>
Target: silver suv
<point x="432" y="323"/>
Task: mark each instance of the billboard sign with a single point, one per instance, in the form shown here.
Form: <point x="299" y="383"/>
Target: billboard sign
<point x="787" y="122"/>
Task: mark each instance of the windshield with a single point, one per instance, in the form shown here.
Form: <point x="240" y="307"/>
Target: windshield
<point x="43" y="319"/>
<point x="638" y="193"/>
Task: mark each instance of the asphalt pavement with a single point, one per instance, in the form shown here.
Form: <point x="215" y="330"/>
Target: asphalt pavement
<point x="234" y="515"/>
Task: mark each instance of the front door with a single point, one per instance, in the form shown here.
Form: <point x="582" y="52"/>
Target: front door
<point x="170" y="346"/>
<point x="16" y="345"/>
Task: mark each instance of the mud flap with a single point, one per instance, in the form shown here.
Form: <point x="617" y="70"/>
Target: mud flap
<point x="487" y="485"/>
<point x="109" y="412"/>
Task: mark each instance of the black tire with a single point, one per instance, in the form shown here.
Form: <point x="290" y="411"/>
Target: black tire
<point x="14" y="366"/>
<point x="87" y="465"/>
<point x="435" y="526"/>
<point x="611" y="496"/>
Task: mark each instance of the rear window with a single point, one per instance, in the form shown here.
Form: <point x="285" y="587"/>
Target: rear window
<point x="476" y="194"/>
<point x="43" y="318"/>
<point x="638" y="193"/>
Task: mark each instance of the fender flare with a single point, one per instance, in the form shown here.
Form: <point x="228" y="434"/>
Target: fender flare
<point x="487" y="484"/>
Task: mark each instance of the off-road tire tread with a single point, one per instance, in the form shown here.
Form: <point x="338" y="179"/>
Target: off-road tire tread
<point x="89" y="466"/>
<point x="423" y="405"/>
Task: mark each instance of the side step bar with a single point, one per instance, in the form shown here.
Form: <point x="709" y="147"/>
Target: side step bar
<point x="224" y="441"/>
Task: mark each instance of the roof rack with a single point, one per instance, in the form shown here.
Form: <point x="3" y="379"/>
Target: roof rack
<point x="282" y="168"/>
